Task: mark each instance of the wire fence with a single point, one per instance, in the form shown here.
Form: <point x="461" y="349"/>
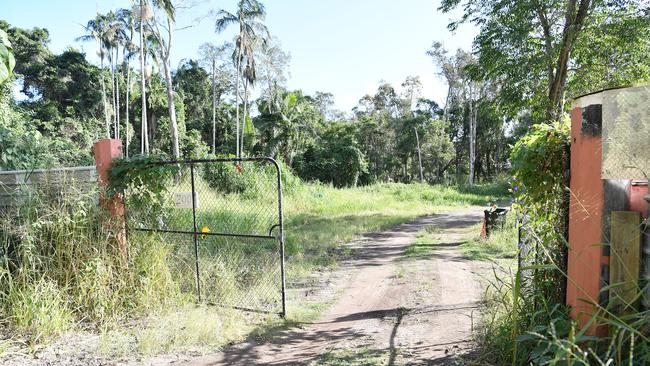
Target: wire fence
<point x="221" y="221"/>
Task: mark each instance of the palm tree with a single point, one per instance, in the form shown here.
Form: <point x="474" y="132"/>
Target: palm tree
<point x="144" y="15"/>
<point x="96" y="31"/>
<point x="249" y="16"/>
<point x="212" y="54"/>
<point x="128" y="23"/>
<point x="115" y="36"/>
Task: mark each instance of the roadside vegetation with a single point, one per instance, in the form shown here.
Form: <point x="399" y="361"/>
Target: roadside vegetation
<point x="526" y="320"/>
<point x="62" y="270"/>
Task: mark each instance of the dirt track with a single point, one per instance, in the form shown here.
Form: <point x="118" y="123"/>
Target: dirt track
<point x="390" y="310"/>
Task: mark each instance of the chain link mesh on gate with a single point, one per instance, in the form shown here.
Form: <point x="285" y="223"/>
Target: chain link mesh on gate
<point x="221" y="222"/>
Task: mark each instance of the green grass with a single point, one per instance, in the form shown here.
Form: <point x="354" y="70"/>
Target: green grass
<point x="69" y="277"/>
<point x="423" y="246"/>
<point x="320" y="217"/>
<point x="500" y="245"/>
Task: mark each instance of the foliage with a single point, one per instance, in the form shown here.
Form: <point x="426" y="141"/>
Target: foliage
<point x="7" y="60"/>
<point x="60" y="266"/>
<point x="287" y="131"/>
<point x="539" y="162"/>
<point x="146" y="180"/>
<point x="336" y="158"/>
<point x="229" y="177"/>
<point x="542" y="51"/>
<point x="247" y="179"/>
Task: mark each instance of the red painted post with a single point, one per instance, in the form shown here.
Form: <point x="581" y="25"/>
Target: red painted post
<point x="585" y="225"/>
<point x="105" y="151"/>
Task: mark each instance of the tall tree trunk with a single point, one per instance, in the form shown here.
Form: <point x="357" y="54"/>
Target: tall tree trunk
<point x="214" y="108"/>
<point x="173" y="125"/>
<point x="244" y="119"/>
<point x="104" y="102"/>
<point x="112" y="66"/>
<point x="144" y="144"/>
<point x="473" y="108"/>
<point x="127" y="102"/>
<point x="445" y="112"/>
<point x="417" y="139"/>
<point x="117" y="94"/>
<point x="572" y="28"/>
<point x="237" y="99"/>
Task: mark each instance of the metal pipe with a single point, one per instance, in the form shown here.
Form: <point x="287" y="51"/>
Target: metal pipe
<point x="196" y="237"/>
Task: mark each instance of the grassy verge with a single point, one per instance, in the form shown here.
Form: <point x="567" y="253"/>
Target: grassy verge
<point x="500" y="245"/>
<point x="61" y="271"/>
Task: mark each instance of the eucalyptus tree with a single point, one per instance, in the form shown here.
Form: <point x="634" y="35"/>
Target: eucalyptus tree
<point x="274" y="63"/>
<point x="531" y="46"/>
<point x="96" y="30"/>
<point x="162" y="28"/>
<point x="249" y="17"/>
<point x="412" y="88"/>
<point x="466" y="87"/>
<point x="411" y="91"/>
<point x="324" y="102"/>
<point x="449" y="70"/>
<point x="213" y="55"/>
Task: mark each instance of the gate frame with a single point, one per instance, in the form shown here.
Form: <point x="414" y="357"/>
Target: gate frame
<point x="196" y="233"/>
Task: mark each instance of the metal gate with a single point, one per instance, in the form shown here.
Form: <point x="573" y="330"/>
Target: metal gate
<point x="221" y="223"/>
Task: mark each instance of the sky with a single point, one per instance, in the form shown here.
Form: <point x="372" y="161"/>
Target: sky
<point x="345" y="47"/>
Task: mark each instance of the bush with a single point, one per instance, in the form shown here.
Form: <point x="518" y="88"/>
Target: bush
<point x="248" y="177"/>
<point x="336" y="159"/>
<point x="229" y="177"/>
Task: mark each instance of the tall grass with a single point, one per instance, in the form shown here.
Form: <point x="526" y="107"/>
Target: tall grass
<point x="60" y="266"/>
<point x="521" y="325"/>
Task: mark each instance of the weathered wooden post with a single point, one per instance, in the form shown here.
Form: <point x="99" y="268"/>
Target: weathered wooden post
<point x="105" y="151"/>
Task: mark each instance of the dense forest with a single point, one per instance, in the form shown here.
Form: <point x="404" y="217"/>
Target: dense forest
<point x="528" y="60"/>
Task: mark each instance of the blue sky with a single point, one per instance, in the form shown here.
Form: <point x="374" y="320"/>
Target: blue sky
<point x="340" y="46"/>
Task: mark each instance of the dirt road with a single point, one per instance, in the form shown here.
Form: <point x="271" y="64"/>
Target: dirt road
<point x="392" y="310"/>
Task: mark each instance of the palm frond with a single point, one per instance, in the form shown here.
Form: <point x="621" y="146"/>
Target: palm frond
<point x="224" y="19"/>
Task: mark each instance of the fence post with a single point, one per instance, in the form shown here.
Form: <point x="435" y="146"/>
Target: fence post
<point x="105" y="151"/>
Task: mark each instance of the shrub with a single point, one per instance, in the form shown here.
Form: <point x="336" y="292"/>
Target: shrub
<point x="248" y="178"/>
<point x="229" y="177"/>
